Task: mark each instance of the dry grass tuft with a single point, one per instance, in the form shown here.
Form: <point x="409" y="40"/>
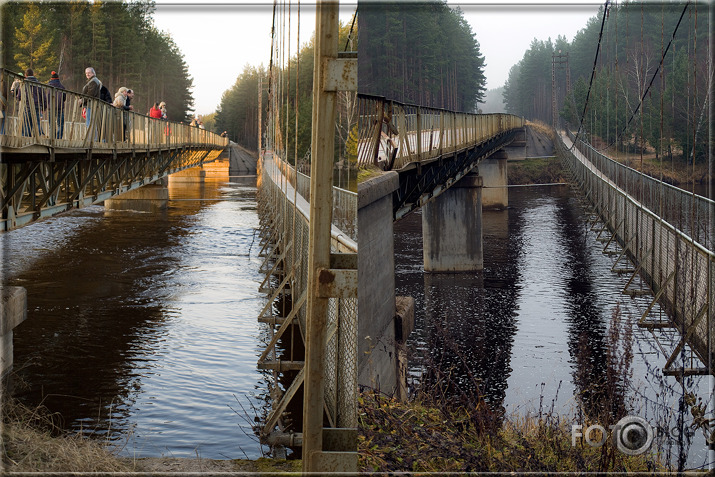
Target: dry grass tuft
<point x="30" y="443"/>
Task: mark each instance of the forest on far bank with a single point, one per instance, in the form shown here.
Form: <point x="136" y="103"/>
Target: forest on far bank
<point x="673" y="119"/>
<point x="422" y="53"/>
<point x="118" y="39"/>
<point x="291" y="90"/>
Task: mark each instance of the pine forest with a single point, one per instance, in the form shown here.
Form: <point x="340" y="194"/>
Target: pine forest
<point x="117" y="39"/>
<point x="672" y="117"/>
<point x="287" y="88"/>
<point x="421" y="53"/>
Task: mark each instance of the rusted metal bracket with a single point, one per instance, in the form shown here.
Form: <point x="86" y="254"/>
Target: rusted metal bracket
<point x="340" y="74"/>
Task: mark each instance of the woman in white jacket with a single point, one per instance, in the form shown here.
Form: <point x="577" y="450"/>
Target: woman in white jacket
<point x="120" y="100"/>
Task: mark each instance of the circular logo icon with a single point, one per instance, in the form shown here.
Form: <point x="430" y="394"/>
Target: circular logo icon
<point x="633" y="435"/>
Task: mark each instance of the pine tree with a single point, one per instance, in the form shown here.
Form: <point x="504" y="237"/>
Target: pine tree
<point x="35" y="43"/>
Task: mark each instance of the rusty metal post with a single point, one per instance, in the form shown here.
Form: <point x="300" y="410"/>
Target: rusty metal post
<point x="260" y="110"/>
<point x="321" y="204"/>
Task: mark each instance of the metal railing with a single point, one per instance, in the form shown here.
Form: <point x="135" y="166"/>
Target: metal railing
<point x="344" y="201"/>
<point x="285" y="216"/>
<point x="396" y="134"/>
<point x="38" y="114"/>
<point x="689" y="212"/>
<point x="679" y="270"/>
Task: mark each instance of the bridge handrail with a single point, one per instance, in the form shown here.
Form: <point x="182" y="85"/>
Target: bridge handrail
<point x="34" y="113"/>
<point x="679" y="270"/>
<point x="344" y="201"/>
<point x="688" y="212"/>
<point x="388" y="131"/>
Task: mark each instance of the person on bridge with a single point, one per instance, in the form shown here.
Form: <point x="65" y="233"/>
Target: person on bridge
<point x="35" y="100"/>
<point x="162" y="107"/>
<point x="128" y="117"/>
<point x="92" y="89"/>
<point x="60" y="98"/>
<point x="120" y="101"/>
<point x="155" y="112"/>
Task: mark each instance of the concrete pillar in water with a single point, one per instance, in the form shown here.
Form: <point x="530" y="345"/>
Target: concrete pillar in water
<point x="452" y="228"/>
<point x="494" y="171"/>
<point x="13" y="311"/>
<point x="148" y="198"/>
<point x="193" y="174"/>
<point x="377" y="360"/>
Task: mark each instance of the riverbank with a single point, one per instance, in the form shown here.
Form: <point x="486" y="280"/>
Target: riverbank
<point x="393" y="436"/>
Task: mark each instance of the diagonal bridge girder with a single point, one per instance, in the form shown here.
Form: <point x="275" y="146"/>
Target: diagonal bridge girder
<point x="36" y="188"/>
<point x="422" y="182"/>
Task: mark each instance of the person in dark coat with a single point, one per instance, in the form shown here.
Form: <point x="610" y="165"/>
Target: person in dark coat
<point x="59" y="103"/>
<point x="92" y="88"/>
<point x="35" y="101"/>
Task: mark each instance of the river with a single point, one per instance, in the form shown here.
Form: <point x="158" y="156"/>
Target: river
<point x="142" y="327"/>
<point x="531" y="331"/>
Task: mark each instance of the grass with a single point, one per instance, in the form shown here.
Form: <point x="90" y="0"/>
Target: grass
<point x="546" y="170"/>
<point x="31" y="443"/>
<point x="365" y="173"/>
<point x="423" y="437"/>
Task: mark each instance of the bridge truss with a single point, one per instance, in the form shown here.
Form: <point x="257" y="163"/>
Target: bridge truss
<point x="663" y="237"/>
<point x="54" y="160"/>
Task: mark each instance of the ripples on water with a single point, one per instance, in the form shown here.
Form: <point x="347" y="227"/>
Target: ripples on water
<point x="143" y="326"/>
<point x="517" y="330"/>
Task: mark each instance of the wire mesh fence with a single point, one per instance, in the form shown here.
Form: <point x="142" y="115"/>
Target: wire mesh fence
<point x="677" y="264"/>
<point x="285" y="212"/>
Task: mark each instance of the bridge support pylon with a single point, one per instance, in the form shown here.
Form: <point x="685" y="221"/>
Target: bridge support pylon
<point x="149" y="198"/>
<point x="494" y="171"/>
<point x="13" y="311"/>
<point x="452" y="228"/>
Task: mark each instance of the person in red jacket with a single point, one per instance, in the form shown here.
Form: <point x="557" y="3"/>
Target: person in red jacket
<point x="155" y="112"/>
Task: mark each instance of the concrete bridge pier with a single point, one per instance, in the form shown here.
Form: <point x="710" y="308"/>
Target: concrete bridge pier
<point x="13" y="311"/>
<point x="384" y="321"/>
<point x="494" y="171"/>
<point x="189" y="175"/>
<point x="152" y="197"/>
<point x="452" y="228"/>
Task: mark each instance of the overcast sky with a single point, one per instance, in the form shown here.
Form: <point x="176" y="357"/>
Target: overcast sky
<point x="218" y="39"/>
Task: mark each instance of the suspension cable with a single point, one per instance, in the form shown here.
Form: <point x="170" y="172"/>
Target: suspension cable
<point x="593" y="72"/>
<point x="655" y="74"/>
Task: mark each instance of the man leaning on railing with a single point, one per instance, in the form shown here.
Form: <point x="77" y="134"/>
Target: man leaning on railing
<point x="92" y="88"/>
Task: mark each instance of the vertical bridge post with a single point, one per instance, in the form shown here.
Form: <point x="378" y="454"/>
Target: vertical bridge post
<point x="329" y="76"/>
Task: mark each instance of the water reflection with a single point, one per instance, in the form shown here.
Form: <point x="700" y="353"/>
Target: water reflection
<point x="532" y="330"/>
<point x="465" y="323"/>
<point x="143" y="325"/>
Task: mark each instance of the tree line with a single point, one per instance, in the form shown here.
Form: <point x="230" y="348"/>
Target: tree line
<point x="288" y="89"/>
<point x="672" y="118"/>
<point x="421" y="53"/>
<point x="118" y="39"/>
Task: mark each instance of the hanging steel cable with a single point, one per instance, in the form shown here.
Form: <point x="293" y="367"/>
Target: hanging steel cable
<point x="655" y="74"/>
<point x="593" y="71"/>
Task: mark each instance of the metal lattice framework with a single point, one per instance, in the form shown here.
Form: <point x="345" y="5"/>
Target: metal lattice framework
<point x="54" y="159"/>
<point x="671" y="257"/>
<point x="314" y="262"/>
<point x="285" y="219"/>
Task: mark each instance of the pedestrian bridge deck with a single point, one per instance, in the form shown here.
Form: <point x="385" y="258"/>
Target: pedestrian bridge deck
<point x="53" y="159"/>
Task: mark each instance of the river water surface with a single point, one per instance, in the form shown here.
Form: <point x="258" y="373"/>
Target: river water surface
<point x="531" y="331"/>
<point x="142" y="327"/>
